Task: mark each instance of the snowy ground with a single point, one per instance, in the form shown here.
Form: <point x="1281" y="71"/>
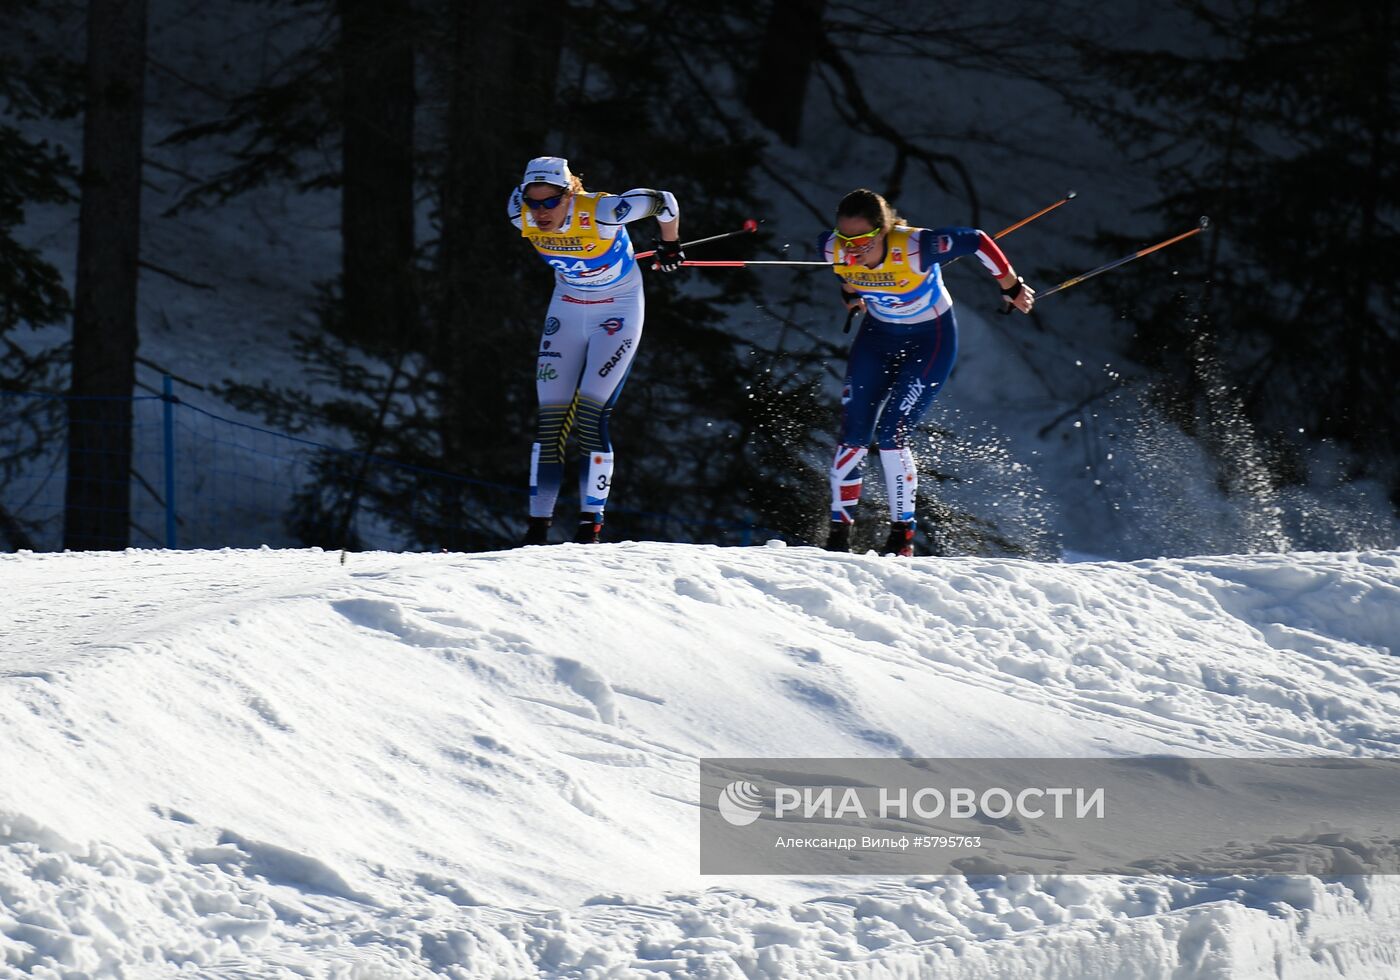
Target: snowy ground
<point x="261" y="763"/>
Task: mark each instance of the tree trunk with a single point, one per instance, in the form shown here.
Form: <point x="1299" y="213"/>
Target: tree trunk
<point x="503" y="66"/>
<point x="500" y="107"/>
<point x="97" y="506"/>
<point x="777" y="87"/>
<point x="377" y="202"/>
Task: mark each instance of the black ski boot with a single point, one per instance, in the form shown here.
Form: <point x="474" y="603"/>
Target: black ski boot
<point x="839" y="537"/>
<point x="590" y="526"/>
<point x="901" y="540"/>
<point x="537" y="532"/>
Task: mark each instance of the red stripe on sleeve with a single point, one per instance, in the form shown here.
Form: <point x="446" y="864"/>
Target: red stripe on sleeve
<point x="991" y="255"/>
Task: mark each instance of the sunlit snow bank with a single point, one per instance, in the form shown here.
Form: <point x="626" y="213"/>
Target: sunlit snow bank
<point x="267" y="763"/>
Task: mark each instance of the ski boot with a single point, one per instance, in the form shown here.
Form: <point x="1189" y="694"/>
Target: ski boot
<point x="839" y="537"/>
<point x="901" y="540"/>
<point x="537" y="532"/>
<point x="590" y="526"/>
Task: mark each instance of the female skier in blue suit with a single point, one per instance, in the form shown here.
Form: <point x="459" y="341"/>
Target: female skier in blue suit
<point x="904" y="351"/>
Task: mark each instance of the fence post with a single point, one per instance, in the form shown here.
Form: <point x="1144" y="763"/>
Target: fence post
<point x="168" y="406"/>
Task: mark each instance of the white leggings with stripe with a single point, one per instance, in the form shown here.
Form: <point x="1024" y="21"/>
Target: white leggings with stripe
<point x="585" y="352"/>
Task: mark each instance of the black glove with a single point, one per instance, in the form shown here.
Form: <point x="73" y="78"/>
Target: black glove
<point x="853" y="307"/>
<point x="668" y="256"/>
<point x="1009" y="294"/>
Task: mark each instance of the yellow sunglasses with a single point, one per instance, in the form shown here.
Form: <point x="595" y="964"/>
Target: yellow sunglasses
<point x="857" y="240"/>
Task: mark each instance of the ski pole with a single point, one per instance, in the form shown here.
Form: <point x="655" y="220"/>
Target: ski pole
<point x="1069" y="196"/>
<point x="750" y="226"/>
<point x="742" y="263"/>
<point x="1204" y="222"/>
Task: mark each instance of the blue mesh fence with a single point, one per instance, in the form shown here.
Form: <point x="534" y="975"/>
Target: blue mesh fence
<point x="202" y="480"/>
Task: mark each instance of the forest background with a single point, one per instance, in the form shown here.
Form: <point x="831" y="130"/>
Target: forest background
<point x="297" y="208"/>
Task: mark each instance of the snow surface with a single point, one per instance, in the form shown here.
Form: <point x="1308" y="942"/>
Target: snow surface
<point x="269" y="763"/>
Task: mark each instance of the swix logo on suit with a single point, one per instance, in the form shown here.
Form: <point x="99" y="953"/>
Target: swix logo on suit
<point x="911" y="397"/>
<point x="893" y="289"/>
<point x="581" y="255"/>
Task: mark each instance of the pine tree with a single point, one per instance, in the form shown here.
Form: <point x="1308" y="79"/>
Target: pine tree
<point x="35" y="84"/>
<point x="1284" y="130"/>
